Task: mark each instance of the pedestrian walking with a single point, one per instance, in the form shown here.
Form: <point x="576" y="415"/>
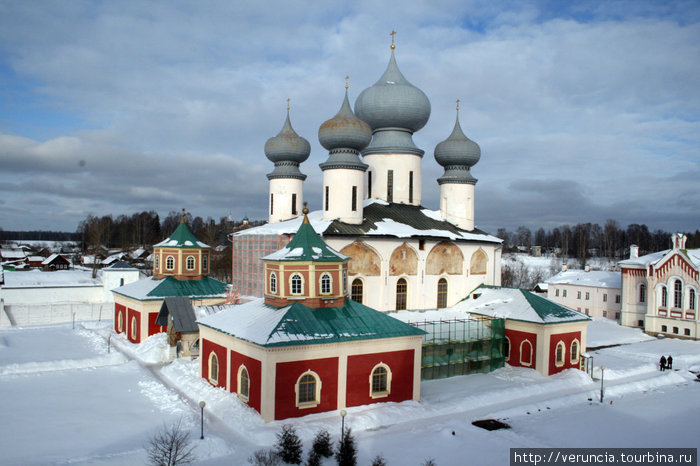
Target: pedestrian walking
<point x="669" y="362"/>
<point x="662" y="363"/>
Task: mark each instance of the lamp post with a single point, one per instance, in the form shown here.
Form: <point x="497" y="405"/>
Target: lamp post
<point x="602" y="374"/>
<point x="343" y="413"/>
<point x="202" y="404"/>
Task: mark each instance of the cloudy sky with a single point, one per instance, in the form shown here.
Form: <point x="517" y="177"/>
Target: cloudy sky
<point x="583" y="110"/>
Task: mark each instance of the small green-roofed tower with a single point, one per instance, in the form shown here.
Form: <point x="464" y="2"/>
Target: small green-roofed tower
<point x="181" y="255"/>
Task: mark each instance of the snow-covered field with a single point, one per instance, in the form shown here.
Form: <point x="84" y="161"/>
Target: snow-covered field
<point x="65" y="399"/>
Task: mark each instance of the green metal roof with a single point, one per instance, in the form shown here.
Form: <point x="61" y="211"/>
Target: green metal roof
<point x="353" y="321"/>
<point x="182" y="237"/>
<point x="307" y="245"/>
<point x="153" y="289"/>
<point x="551" y="311"/>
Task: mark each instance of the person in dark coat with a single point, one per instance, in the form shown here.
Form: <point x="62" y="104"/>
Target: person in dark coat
<point x="669" y="362"/>
<point x="662" y="363"/>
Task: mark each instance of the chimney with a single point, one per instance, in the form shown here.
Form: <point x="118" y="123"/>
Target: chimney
<point x="634" y="251"/>
<point x="587" y="268"/>
<point x="678" y="240"/>
<point x="564" y="268"/>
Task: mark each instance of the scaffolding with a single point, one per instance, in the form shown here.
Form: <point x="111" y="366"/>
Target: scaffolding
<point x="461" y="346"/>
<point x="248" y="270"/>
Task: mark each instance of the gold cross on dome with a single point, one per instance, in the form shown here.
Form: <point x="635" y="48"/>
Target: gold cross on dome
<point x="287" y="104"/>
<point x="458" y="104"/>
<point x="347" y="79"/>
<point x="392" y="34"/>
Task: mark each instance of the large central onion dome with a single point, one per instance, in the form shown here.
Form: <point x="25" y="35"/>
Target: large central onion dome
<point x="287" y="150"/>
<point x="393" y="102"/>
<point x="287" y="145"/>
<point x="457" y="154"/>
<point x="344" y="130"/>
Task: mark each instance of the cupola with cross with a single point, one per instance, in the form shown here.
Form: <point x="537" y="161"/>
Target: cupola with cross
<point x="181" y="255"/>
<point x="307" y="270"/>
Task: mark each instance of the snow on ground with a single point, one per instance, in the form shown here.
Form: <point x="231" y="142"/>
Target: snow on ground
<point x="66" y="399"/>
<point x="606" y="332"/>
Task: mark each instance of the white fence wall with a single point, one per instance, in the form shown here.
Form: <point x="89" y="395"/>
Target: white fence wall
<point x="53" y="313"/>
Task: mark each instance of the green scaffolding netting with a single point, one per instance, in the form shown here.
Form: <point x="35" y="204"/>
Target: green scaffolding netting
<point x="461" y="346"/>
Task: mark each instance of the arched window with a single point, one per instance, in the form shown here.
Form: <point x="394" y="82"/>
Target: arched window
<point x="170" y="263"/>
<point x="190" y="262"/>
<point x="526" y="353"/>
<point x="664" y="296"/>
<point x="205" y="262"/>
<point x="677" y="294"/>
<point x="401" y="293"/>
<point x="273" y="283"/>
<point x="345" y="281"/>
<point x="157" y="261"/>
<point x="243" y="383"/>
<point x="442" y="293"/>
<point x="308" y="389"/>
<point x="642" y="293"/>
<point x="356" y="290"/>
<point x="325" y="283"/>
<point x="380" y="381"/>
<point x="574" y="352"/>
<point x="134" y="328"/>
<point x="296" y="282"/>
<point x="120" y="322"/>
<point x="559" y="360"/>
<point x="506" y="348"/>
<point x="691" y="299"/>
<point x="213" y="368"/>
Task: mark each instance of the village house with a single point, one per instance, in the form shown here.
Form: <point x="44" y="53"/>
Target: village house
<point x="596" y="293"/>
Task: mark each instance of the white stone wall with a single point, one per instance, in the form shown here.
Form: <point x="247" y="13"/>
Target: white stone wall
<point x="595" y="306"/>
<point x="53" y="313"/>
<point x="339" y="183"/>
<point x="402" y="165"/>
<point x="457" y="204"/>
<point x="55" y="294"/>
<point x="282" y="189"/>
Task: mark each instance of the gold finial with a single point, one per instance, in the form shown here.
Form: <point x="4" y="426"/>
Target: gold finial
<point x="305" y="211"/>
<point x="182" y="218"/>
<point x="347" y="79"/>
<point x="393" y="33"/>
<point x="458" y="105"/>
<point x="288" y="104"/>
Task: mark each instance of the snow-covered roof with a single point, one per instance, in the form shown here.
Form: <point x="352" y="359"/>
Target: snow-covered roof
<point x="182" y="237"/>
<point x="12" y="254"/>
<point x="593" y="278"/>
<point x="306" y="245"/>
<point x="154" y="288"/>
<point x="654" y="257"/>
<point x="298" y="324"/>
<point x="380" y="219"/>
<point x="52" y="258"/>
<point x="517" y="304"/>
<point x="41" y="279"/>
<point x="121" y="266"/>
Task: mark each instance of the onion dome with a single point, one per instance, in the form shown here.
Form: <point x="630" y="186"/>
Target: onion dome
<point x="457" y="154"/>
<point x="345" y="130"/>
<point x="393" y="102"/>
<point x="344" y="136"/>
<point x="395" y="109"/>
<point x="287" y="150"/>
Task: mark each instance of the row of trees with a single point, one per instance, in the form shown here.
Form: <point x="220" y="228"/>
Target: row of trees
<point x="584" y="240"/>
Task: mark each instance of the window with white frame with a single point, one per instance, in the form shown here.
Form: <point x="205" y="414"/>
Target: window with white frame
<point x="506" y="348"/>
<point x="380" y="381"/>
<point x="170" y="262"/>
<point x="559" y="357"/>
<point x="563" y="293"/>
<point x="296" y="282"/>
<point x="120" y="322"/>
<point x="273" y="283"/>
<point x="157" y="261"/>
<point x="664" y="296"/>
<point x="691" y="299"/>
<point x="134" y="328"/>
<point x="642" y="293"/>
<point x="205" y="262"/>
<point x="190" y="262"/>
<point x="677" y="294"/>
<point x="442" y="293"/>
<point x="308" y="390"/>
<point x="556" y="292"/>
<point x="617" y="299"/>
<point x="326" y="283"/>
<point x="526" y="353"/>
<point x="345" y="281"/>
<point x="588" y="295"/>
<point x="574" y="351"/>
<point x="605" y="297"/>
<point x="213" y="368"/>
<point x="243" y="383"/>
<point x="578" y="295"/>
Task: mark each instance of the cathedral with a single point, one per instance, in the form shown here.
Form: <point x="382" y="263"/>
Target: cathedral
<point x="402" y="255"/>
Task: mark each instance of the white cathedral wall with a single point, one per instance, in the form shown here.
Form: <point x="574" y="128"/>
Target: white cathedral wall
<point x="380" y="291"/>
<point x="457" y="204"/>
<point x="339" y="183"/>
<point x="282" y="189"/>
<point x="402" y="165"/>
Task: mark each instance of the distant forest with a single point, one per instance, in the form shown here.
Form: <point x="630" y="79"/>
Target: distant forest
<point x="578" y="241"/>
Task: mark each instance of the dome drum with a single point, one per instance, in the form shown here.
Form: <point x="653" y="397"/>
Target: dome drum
<point x="286" y="169"/>
<point x="457" y="174"/>
<point x="393" y="140"/>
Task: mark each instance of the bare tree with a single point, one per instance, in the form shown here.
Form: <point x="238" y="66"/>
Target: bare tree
<point x="171" y="446"/>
